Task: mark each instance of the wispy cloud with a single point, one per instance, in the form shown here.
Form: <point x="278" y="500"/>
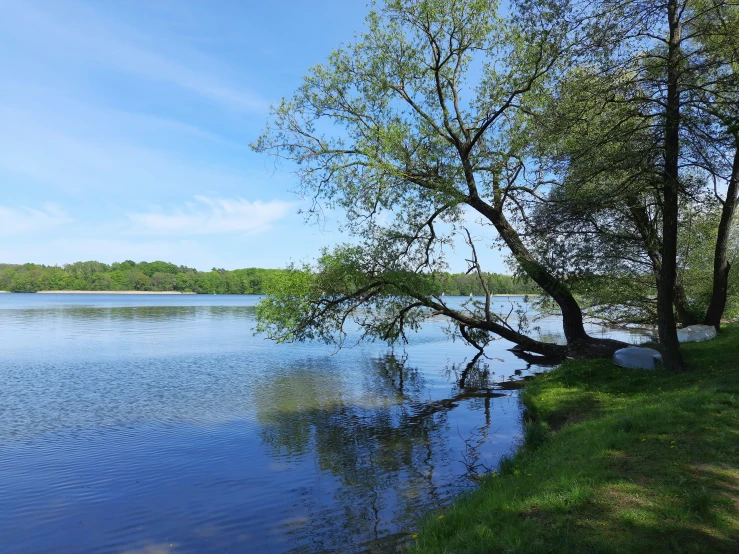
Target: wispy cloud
<point x="92" y="150"/>
<point x="16" y="221"/>
<point x="74" y="31"/>
<point x="210" y="216"/>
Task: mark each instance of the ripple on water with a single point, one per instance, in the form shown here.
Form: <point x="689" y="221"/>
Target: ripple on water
<point x="161" y="424"/>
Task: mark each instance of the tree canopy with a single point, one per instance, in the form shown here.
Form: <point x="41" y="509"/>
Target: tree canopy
<point x="554" y="122"/>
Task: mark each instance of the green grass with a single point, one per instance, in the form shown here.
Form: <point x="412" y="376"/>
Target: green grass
<point x="613" y="460"/>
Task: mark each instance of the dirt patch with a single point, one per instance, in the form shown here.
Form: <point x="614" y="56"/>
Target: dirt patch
<point x="585" y="409"/>
<point x="624" y="499"/>
<point x="536" y="514"/>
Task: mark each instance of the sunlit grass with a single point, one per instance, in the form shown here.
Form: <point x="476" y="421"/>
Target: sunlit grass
<point x="613" y="460"/>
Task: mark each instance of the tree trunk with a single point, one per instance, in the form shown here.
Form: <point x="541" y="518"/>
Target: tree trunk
<point x="670" y="196"/>
<point x="685" y="316"/>
<point x="579" y="343"/>
<point x="653" y="248"/>
<point x="721" y="265"/>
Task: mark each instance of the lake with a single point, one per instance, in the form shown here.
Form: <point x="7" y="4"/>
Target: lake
<point x="145" y="424"/>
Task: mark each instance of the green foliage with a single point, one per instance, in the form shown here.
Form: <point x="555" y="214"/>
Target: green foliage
<point x="598" y="131"/>
<point x="381" y="298"/>
<point x="579" y="130"/>
<point x="164" y="276"/>
<point x="129" y="275"/>
<point x="623" y="295"/>
<point x="288" y="297"/>
<point x="460" y="284"/>
<point x="418" y="123"/>
<point x="697" y="240"/>
<point x="615" y="461"/>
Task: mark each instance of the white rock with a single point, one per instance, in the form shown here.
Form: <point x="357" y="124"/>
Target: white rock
<point x="637" y="357"/>
<point x="696" y="333"/>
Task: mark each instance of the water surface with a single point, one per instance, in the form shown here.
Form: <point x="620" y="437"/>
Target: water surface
<point x="161" y="424"/>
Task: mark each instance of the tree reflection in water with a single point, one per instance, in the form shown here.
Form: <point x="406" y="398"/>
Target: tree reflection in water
<point x="387" y="446"/>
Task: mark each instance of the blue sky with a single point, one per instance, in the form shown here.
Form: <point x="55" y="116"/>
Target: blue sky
<point x="126" y="124"/>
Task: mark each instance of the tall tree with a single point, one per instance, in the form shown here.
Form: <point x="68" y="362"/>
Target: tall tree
<point x="421" y="120"/>
<point x="637" y="132"/>
<point x="719" y="99"/>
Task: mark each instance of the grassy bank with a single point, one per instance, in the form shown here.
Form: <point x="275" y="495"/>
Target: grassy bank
<point x="613" y="460"/>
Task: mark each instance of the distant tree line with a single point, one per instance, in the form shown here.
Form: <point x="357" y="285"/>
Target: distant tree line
<point x="164" y="276"/>
<point x="454" y="284"/>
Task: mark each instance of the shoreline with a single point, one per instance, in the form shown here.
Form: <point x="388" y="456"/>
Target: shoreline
<point x="492" y="295"/>
<point x="175" y="292"/>
<point x="611" y="460"/>
<point x="168" y="292"/>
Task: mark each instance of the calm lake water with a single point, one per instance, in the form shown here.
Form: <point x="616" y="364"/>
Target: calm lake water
<point x="161" y="424"/>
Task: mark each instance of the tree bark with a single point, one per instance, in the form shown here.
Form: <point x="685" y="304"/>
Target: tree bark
<point x="721" y="265"/>
<point x="684" y="315"/>
<point x="653" y="248"/>
<point x="588" y="348"/>
<point x="579" y="343"/>
<point x="670" y="196"/>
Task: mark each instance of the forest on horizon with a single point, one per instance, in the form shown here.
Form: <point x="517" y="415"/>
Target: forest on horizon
<point x="161" y="276"/>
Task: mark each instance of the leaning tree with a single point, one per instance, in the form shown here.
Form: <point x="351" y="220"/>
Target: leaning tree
<point x="418" y="126"/>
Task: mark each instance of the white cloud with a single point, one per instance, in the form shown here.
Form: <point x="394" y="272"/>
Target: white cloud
<point x="15" y="221"/>
<point x="209" y="216"/>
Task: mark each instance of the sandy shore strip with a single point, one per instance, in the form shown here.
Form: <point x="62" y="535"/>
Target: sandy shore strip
<point x="110" y="292"/>
<point x="494" y="295"/>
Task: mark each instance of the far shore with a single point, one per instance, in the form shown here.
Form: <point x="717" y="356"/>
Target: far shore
<point x="178" y="292"/>
<point x="111" y="292"/>
<point x="504" y="294"/>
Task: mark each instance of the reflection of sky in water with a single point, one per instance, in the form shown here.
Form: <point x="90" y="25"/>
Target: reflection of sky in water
<point x="130" y="423"/>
